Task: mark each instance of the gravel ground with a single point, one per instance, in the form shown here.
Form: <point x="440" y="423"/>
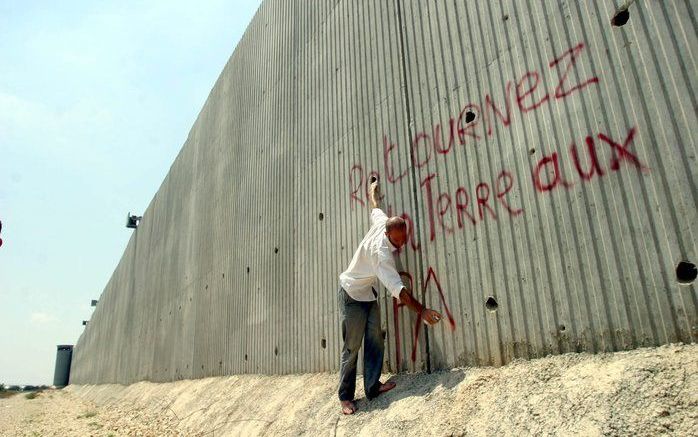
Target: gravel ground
<point x="649" y="391"/>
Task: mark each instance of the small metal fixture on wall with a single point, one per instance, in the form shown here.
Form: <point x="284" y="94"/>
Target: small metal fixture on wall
<point x="132" y="221"/>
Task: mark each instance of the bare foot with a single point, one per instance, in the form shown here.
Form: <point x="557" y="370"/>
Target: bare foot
<point x="386" y="387"/>
<point x="348" y="407"/>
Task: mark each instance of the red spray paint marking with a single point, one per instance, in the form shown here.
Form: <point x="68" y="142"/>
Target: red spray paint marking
<point x="506" y="176"/>
<point x="388" y="148"/>
<point x="595" y="167"/>
<point x="469" y="128"/>
<point x="560" y="93"/>
<point x="396" y="321"/>
<point x="415" y="149"/>
<point x="527" y="100"/>
<point x="438" y="138"/>
<point x="356" y="188"/>
<point x="426" y="183"/>
<point x="462" y="207"/>
<point x="439" y="205"/>
<point x="489" y="104"/>
<point x="557" y="178"/>
<point x="483" y="201"/>
<point x="443" y="209"/>
<point x="620" y="153"/>
<point x="488" y="198"/>
<point x="521" y="96"/>
<point x="530" y="94"/>
<point x="547" y="174"/>
<point x="431" y="274"/>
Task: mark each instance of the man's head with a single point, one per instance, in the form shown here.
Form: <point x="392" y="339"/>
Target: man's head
<point x="396" y="230"/>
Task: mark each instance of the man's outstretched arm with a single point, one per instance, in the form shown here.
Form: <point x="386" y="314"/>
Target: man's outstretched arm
<point x="388" y="275"/>
<point x="430" y="316"/>
<point x="374" y="193"/>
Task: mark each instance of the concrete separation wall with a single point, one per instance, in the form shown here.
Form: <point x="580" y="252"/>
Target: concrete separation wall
<point x="543" y="152"/>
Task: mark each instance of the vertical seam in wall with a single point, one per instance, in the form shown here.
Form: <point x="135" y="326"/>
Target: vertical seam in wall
<point x="127" y="377"/>
<point x="410" y="136"/>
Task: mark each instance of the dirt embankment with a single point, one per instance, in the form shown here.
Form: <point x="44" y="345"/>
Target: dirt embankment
<point x="649" y="391"/>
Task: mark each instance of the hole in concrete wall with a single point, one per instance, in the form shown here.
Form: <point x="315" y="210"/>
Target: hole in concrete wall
<point x="562" y="328"/>
<point x="383" y="333"/>
<point x="322" y="217"/>
<point x="248" y="270"/>
<point x="276" y="250"/>
<point x="620" y="18"/>
<point x="532" y="151"/>
<point x="206" y="286"/>
<point x="202" y="367"/>
<point x="491" y="303"/>
<point x="505" y="17"/>
<point x="276" y="350"/>
<point x="323" y="343"/>
<point x="245" y="357"/>
<point x="224" y="275"/>
<point x="469" y="116"/>
<point x="686" y="272"/>
<point x="180" y="307"/>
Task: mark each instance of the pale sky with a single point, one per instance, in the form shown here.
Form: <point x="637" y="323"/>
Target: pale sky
<point x="96" y="100"/>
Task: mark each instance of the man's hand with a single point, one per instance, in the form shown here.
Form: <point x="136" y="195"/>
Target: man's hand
<point x="430" y="317"/>
<point x="374" y="194"/>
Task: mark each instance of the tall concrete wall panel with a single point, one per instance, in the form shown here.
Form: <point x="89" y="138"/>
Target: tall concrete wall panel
<point x="544" y="158"/>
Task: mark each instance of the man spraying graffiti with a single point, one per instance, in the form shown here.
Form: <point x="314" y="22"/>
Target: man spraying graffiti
<point x="360" y="316"/>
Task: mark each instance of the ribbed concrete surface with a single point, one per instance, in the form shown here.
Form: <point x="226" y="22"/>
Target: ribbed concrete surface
<point x="546" y="157"/>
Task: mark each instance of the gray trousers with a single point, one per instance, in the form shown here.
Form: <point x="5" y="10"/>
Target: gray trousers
<point x="360" y="321"/>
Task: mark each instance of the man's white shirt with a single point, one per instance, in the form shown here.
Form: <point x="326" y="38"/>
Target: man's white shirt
<point x="372" y="261"/>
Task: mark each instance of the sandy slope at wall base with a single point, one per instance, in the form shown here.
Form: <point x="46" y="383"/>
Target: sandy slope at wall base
<point x="642" y="392"/>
